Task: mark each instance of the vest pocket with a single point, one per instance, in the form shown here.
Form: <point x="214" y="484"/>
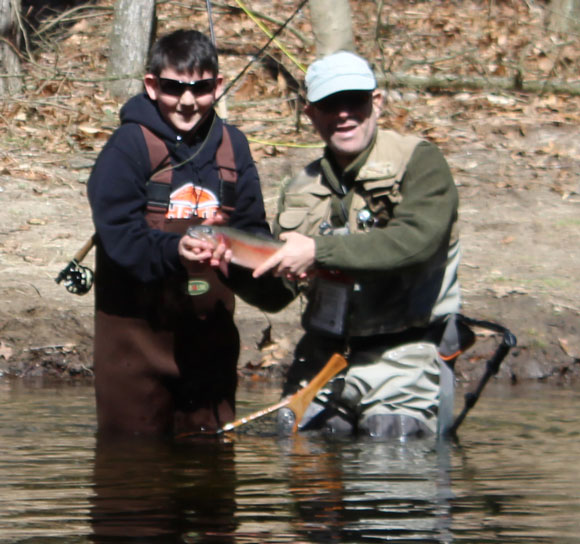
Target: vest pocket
<point x="304" y="211"/>
<point x="292" y="219"/>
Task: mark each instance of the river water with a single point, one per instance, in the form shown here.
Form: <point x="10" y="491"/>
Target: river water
<point x="513" y="476"/>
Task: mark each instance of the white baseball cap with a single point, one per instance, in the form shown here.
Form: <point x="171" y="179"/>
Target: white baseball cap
<point x="342" y="71"/>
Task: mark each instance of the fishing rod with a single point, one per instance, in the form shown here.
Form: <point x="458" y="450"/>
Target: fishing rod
<point x="210" y="19"/>
<point x="78" y="279"/>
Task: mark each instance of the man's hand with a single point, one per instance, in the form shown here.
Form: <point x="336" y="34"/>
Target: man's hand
<point x="293" y="260"/>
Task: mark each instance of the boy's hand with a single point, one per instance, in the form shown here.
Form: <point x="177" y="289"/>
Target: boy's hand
<point x="293" y="260"/>
<point x="193" y="251"/>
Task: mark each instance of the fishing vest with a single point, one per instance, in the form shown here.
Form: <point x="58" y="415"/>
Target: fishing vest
<point x="372" y="303"/>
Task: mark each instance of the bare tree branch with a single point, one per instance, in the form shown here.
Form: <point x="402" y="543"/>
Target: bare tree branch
<point x="452" y="82"/>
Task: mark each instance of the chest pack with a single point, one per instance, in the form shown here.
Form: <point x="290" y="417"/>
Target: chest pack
<point x="159" y="183"/>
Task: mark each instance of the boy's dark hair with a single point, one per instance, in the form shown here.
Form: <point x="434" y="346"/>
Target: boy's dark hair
<point x="184" y="51"/>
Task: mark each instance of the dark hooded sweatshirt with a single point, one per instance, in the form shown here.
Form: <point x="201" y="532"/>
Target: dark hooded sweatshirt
<point x="149" y="329"/>
<point x="117" y="188"/>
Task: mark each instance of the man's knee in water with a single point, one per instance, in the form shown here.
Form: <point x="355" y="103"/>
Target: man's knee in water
<point x="317" y="417"/>
<point x="394" y="426"/>
<point x="332" y="422"/>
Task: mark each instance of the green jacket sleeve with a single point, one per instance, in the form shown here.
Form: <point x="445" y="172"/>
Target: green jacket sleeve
<point x="420" y="224"/>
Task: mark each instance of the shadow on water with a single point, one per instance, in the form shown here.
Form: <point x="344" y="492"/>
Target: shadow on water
<point x="512" y="478"/>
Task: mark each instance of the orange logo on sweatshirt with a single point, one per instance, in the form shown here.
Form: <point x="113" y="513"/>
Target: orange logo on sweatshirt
<point x="189" y="201"/>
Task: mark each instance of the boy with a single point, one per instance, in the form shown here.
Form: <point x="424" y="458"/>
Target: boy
<point x="166" y="346"/>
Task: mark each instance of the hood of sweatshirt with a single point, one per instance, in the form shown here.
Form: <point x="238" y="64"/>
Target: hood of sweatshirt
<point x="142" y="110"/>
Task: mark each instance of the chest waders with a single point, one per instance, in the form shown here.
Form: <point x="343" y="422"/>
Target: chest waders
<point x="166" y="353"/>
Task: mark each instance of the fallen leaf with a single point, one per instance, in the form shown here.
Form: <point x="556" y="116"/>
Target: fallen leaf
<point x="268" y="361"/>
<point x="89" y="129"/>
<point x="502" y="291"/>
<point x="565" y="345"/>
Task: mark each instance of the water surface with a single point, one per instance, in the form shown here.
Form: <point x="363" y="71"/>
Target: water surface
<point x="513" y="476"/>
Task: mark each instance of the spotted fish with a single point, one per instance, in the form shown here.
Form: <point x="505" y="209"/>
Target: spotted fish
<point x="248" y="250"/>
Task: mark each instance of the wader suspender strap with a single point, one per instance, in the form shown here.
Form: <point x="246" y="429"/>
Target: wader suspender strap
<point x="228" y="173"/>
<point x="159" y="184"/>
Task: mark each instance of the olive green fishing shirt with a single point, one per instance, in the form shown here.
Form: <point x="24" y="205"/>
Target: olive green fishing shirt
<point x="419" y="225"/>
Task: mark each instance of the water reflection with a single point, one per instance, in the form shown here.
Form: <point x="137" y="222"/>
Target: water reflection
<point x="365" y="491"/>
<point x="513" y="477"/>
<point x="152" y="491"/>
<point x="46" y="457"/>
<point x="259" y="487"/>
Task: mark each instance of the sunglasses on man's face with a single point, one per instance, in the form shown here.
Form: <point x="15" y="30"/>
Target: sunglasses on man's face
<point x="351" y="100"/>
<point x="175" y="87"/>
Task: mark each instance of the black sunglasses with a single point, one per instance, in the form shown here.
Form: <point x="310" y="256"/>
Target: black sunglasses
<point x="175" y="87"/>
<point x="352" y="100"/>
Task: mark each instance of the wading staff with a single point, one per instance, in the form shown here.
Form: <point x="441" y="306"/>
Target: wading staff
<point x="492" y="367"/>
<point x="300" y="400"/>
<point x="83" y="274"/>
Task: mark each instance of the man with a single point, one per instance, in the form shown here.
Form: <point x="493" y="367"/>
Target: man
<point x="370" y="234"/>
<point x="166" y="346"/>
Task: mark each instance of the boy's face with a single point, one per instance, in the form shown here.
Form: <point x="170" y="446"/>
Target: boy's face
<point x="183" y="106"/>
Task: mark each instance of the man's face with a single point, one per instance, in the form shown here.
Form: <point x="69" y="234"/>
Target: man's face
<point x="346" y="121"/>
<point x="183" y="106"/>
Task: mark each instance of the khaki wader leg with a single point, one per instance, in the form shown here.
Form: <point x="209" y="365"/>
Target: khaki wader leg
<point x="410" y="382"/>
<point x="403" y="391"/>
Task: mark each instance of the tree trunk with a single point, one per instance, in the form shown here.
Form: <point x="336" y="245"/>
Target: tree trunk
<point x="564" y="15"/>
<point x="332" y="26"/>
<point x="133" y="27"/>
<point x="10" y="82"/>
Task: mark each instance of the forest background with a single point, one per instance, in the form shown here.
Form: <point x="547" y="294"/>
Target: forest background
<point x="490" y="82"/>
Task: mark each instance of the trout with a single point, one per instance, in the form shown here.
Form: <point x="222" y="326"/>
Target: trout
<point x="248" y="250"/>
